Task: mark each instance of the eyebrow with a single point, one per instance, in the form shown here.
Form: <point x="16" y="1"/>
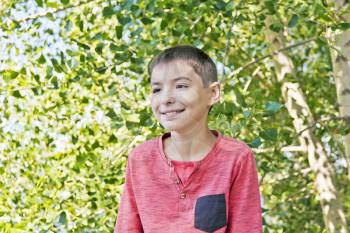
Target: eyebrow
<point x="174" y="80"/>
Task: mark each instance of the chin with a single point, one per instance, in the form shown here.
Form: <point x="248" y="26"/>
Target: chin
<point x="170" y="127"/>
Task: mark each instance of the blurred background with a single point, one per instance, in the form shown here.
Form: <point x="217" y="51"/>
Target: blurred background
<point x="75" y="99"/>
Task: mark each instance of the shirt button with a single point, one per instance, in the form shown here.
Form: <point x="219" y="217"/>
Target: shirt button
<point x="183" y="195"/>
<point x="177" y="181"/>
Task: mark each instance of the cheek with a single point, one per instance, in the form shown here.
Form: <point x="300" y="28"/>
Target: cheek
<point x="154" y="106"/>
<point x="153" y="102"/>
<point x="194" y="100"/>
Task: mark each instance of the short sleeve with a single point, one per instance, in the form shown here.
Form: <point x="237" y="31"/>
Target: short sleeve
<point x="244" y="213"/>
<point x="128" y="219"/>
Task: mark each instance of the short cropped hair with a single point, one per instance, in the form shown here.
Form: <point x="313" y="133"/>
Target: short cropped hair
<point x="201" y="63"/>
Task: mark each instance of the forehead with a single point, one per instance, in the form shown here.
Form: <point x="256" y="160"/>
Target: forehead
<point x="173" y="71"/>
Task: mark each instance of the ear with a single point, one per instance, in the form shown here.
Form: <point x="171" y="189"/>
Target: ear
<point x="214" y="89"/>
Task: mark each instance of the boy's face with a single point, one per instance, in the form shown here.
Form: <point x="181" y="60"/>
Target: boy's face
<point x="179" y="100"/>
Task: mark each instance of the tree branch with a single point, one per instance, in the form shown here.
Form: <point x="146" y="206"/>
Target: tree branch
<point x="227" y="45"/>
<point x="282" y="149"/>
<point x="291" y="148"/>
<point x="192" y="26"/>
<point x="240" y="69"/>
<point x="228" y="36"/>
<point x="346" y="119"/>
<point x="45" y="14"/>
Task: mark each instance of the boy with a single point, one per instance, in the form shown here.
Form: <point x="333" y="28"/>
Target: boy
<point x="190" y="179"/>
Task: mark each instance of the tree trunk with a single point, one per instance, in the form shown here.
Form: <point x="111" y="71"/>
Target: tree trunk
<point x="341" y="72"/>
<point x="299" y="110"/>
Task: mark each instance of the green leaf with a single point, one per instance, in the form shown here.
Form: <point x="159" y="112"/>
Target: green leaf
<point x="41" y="59"/>
<point x="99" y="48"/>
<point x="136" y="11"/>
<point x="36" y="91"/>
<point x="276" y="27"/>
<point x="219" y="5"/>
<point x="23" y="71"/>
<point x="108" y="11"/>
<point x="17" y="94"/>
<point x="269" y="134"/>
<point x="37" y="78"/>
<point x="62" y="57"/>
<point x="293" y="21"/>
<point x="273" y="107"/>
<point x="68" y="25"/>
<point x="111" y="114"/>
<point x="137" y="32"/>
<point x="62" y="218"/>
<point x="95" y="145"/>
<point x="119" y="31"/>
<point x="52" y="4"/>
<point x="49" y="31"/>
<point x="56" y="65"/>
<point x="345" y="130"/>
<point x="74" y="139"/>
<point x="321" y="42"/>
<point x="341" y="26"/>
<point x="151" y="5"/>
<point x="264" y="223"/>
<point x="102" y="69"/>
<point x="9" y="75"/>
<point x="163" y="24"/>
<point x="228" y="107"/>
<point x="81" y="25"/>
<point x="239" y="97"/>
<point x="255" y="143"/>
<point x="246" y="114"/>
<point x="123" y="20"/>
<point x="39" y="2"/>
<point x="112" y="139"/>
<point x="133" y="118"/>
<point x="80" y="160"/>
<point x="124" y="105"/>
<point x="270" y="6"/>
<point x="54" y="82"/>
<point x="64" y="2"/>
<point x="84" y="46"/>
<point x="121" y="58"/>
<point x="146" y="20"/>
<point x="319" y="10"/>
<point x="114" y="47"/>
<point x="127" y="4"/>
<point x="14" y="24"/>
<point x="131" y="125"/>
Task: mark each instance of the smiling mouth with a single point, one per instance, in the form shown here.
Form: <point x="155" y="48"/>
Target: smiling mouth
<point x="173" y="113"/>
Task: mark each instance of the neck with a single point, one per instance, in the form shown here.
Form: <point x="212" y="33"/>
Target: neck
<point x="192" y="145"/>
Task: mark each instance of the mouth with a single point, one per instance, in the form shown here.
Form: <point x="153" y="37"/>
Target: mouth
<point x="172" y="113"/>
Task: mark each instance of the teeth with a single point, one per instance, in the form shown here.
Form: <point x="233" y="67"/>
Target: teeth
<point x="171" y="113"/>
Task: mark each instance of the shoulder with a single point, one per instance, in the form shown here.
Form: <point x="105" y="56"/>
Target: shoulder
<point x="229" y="143"/>
<point x="236" y="147"/>
<point x="143" y="149"/>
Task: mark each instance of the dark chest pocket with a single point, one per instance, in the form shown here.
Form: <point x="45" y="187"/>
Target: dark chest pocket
<point x="210" y="213"/>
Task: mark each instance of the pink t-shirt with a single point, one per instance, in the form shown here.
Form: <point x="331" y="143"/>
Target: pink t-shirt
<point x="219" y="193"/>
<point x="183" y="169"/>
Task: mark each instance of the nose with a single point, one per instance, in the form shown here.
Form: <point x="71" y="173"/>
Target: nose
<point x="168" y="97"/>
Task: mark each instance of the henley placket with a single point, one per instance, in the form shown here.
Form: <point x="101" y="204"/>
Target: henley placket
<point x="184" y="201"/>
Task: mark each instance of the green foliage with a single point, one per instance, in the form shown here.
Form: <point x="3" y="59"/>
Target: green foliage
<point x="75" y="100"/>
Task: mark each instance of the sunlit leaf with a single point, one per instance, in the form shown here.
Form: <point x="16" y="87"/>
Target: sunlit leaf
<point x="293" y="21"/>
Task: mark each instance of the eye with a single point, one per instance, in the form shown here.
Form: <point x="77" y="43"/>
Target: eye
<point x="181" y="86"/>
<point x="155" y="90"/>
